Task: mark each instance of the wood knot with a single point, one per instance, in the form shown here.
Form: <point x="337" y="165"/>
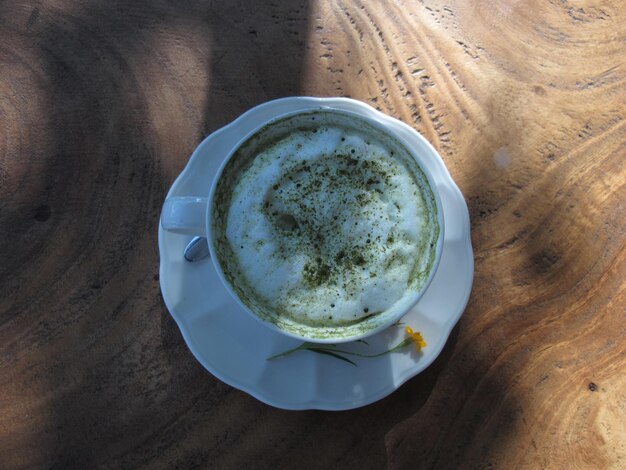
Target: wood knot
<point x="544" y="261"/>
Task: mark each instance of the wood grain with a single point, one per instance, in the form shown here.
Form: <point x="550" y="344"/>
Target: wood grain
<point x="101" y="104"/>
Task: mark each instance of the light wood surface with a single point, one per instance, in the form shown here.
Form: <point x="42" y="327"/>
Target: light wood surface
<point x="101" y="104"/>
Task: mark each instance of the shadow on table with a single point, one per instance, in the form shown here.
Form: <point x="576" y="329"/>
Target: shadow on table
<point x="116" y="86"/>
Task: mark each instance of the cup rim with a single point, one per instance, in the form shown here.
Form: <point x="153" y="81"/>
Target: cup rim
<point x="376" y="120"/>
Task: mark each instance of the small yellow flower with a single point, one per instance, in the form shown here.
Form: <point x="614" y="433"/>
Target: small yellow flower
<point x="416" y="337"/>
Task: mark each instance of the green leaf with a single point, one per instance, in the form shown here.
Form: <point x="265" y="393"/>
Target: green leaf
<point x="289" y="351"/>
<point x="333" y="354"/>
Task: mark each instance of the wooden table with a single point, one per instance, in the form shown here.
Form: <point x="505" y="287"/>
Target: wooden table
<point x="101" y="104"/>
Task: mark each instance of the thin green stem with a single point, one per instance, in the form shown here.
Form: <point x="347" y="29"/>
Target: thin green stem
<point x="400" y="345"/>
<point x="332" y="350"/>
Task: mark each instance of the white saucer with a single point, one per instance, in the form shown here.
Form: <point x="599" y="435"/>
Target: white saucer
<point x="234" y="347"/>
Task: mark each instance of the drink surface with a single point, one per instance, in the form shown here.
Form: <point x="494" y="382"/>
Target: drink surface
<point x="327" y="221"/>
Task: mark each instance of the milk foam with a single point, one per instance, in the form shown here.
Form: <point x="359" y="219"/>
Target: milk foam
<point x="327" y="226"/>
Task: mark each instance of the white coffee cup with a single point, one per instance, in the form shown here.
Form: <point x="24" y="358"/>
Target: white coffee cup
<point x="194" y="215"/>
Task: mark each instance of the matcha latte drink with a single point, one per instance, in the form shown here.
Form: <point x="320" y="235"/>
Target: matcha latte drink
<point x="323" y="225"/>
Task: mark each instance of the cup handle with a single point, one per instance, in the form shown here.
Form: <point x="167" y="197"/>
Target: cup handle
<point x="185" y="215"/>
